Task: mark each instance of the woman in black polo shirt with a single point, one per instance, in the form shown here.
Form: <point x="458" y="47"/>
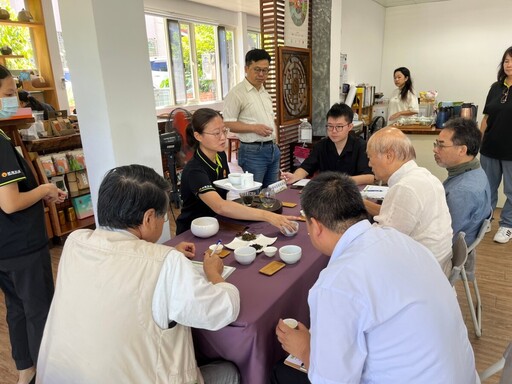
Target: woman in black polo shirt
<point x="496" y="149"/>
<point x="208" y="135"/>
<point x="25" y="266"/>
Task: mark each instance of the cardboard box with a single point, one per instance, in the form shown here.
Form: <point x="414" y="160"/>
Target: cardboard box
<point x="83" y="206"/>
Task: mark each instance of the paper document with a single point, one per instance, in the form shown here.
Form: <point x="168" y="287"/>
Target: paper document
<point x="198" y="265"/>
<point x="374" y="192"/>
<point x="301" y="183"/>
<point x="296" y="363"/>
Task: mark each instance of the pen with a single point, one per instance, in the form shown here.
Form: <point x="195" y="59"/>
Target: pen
<point x="216" y="246"/>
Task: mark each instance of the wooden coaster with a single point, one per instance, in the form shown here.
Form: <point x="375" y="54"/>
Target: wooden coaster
<point x="222" y="254"/>
<point x="272" y="268"/>
<point x="288" y="205"/>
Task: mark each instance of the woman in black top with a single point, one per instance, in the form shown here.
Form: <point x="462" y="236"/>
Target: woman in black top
<point x="496" y="150"/>
<point x="25" y="266"/>
<point x="200" y="196"/>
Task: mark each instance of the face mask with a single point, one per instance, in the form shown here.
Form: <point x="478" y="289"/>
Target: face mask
<point x="9" y="107"/>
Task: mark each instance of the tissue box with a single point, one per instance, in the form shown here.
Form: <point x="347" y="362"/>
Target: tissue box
<point x="83" y="206"/>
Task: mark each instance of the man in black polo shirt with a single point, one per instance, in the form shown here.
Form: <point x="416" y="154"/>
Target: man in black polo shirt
<point x="339" y="152"/>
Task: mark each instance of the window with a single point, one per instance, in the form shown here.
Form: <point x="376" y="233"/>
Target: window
<point x="18" y="38"/>
<point x="254" y="39"/>
<point x="191" y="62"/>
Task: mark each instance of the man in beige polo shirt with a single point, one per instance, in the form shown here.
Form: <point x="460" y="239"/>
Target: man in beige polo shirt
<point x="248" y="112"/>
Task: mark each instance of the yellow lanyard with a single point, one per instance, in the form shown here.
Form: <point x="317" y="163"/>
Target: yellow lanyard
<point x="217" y="160"/>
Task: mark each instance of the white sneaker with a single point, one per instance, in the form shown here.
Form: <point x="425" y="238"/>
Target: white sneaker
<point x="503" y="235"/>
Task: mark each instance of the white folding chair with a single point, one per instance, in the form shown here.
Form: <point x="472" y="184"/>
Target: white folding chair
<point x="468" y="274"/>
<point x="459" y="257"/>
<point x="504" y="363"/>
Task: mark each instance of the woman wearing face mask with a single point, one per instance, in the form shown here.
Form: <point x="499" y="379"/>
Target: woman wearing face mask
<point x="25" y="266"/>
<point x="403" y="101"/>
<point x="208" y="135"/>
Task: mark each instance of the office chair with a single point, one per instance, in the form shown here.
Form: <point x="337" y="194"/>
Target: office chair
<point x="505" y="364"/>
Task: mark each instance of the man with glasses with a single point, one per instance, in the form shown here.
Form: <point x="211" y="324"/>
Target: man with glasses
<point x="248" y="112"/>
<point x="415" y="203"/>
<point x="339" y="151"/>
<point x="467" y="189"/>
<point x="124" y="306"/>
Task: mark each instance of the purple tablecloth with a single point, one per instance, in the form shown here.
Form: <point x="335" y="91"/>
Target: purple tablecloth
<point x="250" y="341"/>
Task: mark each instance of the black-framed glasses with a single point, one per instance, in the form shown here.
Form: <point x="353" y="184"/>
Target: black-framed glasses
<point x="218" y="134"/>
<point x="439" y="145"/>
<point x="336" y="128"/>
<point x="263" y="71"/>
<point x="504" y="96"/>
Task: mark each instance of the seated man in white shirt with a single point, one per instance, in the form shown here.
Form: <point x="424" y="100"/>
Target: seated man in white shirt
<point x="415" y="203"/>
<point x="124" y="305"/>
<point x="381" y="311"/>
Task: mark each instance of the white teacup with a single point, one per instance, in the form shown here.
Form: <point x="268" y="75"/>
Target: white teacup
<point x="235" y="178"/>
<point x="292" y="323"/>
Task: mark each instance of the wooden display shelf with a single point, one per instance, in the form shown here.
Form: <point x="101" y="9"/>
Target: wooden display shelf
<point x="80" y="192"/>
<point x="4" y="57"/>
<point x="54" y="144"/>
<point x="79" y="223"/>
<point x="15" y="23"/>
<point x="27" y="86"/>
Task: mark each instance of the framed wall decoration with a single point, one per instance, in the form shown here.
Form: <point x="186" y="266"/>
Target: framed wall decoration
<point x="295" y="84"/>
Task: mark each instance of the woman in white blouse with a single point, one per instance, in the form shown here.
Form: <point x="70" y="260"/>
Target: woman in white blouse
<point x="403" y="101"/>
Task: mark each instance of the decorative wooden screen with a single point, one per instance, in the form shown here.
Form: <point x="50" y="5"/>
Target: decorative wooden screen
<point x="272" y="16"/>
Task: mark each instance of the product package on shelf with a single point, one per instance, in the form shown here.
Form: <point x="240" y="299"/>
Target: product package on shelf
<point x="76" y="159"/>
<point x="47" y="163"/>
<point x="82" y="180"/>
<point x="61" y="162"/>
<point x="83" y="206"/>
<point x="72" y="183"/>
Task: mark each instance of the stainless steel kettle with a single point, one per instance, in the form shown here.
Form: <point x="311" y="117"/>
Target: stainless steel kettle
<point x="468" y="111"/>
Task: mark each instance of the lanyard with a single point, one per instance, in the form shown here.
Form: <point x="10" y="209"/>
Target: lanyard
<point x="217" y="161"/>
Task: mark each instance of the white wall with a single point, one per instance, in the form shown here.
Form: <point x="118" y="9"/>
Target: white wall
<point x="453" y="47"/>
<point x="362" y="39"/>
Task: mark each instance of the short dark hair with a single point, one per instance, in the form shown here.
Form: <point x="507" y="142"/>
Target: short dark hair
<point x="333" y="199"/>
<point x="465" y="132"/>
<point x="341" y="110"/>
<point x="256" y="55"/>
<point x="127" y="192"/>
<point x="200" y="118"/>
<point x="4" y="73"/>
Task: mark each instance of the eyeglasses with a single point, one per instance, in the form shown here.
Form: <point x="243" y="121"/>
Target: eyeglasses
<point x="218" y="134"/>
<point x="263" y="71"/>
<point x="439" y="145"/>
<point x="335" y="128"/>
<point x="504" y="96"/>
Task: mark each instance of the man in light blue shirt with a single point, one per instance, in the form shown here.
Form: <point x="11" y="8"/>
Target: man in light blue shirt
<point x="382" y="311"/>
<point x="468" y="194"/>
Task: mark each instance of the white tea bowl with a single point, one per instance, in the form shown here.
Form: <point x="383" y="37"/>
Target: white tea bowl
<point x="204" y="226"/>
<point x="290" y="254"/>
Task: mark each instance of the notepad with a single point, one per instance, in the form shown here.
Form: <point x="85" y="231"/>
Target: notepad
<point x="374" y="192"/>
<point x="301" y="183"/>
<point x="198" y="265"/>
<point x="296" y="363"/>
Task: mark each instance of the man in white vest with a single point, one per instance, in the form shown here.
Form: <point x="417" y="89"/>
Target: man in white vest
<point x="124" y="305"/>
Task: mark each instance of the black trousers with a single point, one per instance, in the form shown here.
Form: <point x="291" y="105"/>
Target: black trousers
<point x="28" y="289"/>
<point x="283" y="374"/>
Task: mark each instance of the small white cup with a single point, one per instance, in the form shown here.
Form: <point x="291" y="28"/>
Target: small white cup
<point x="292" y="323"/>
<point x="235" y="178"/>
